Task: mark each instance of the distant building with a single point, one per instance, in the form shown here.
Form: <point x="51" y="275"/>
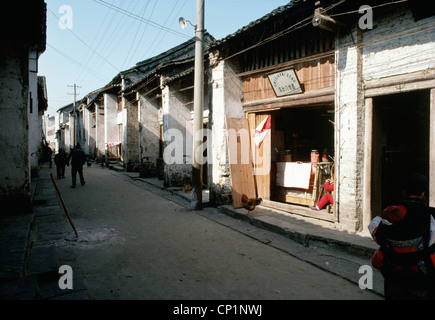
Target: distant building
<point x="64" y="128"/>
<point x="50" y="131"/>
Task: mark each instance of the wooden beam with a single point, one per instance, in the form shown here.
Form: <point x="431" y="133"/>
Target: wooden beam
<point x="368" y="152"/>
<point x="401" y="83"/>
<point x="432" y="150"/>
<point x="318" y="97"/>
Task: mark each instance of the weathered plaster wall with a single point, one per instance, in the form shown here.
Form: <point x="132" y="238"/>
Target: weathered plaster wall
<point x="149" y="129"/>
<point x="110" y="118"/>
<point x="14" y="130"/>
<point x="92" y="134"/>
<point x="226" y="94"/>
<point x="86" y="130"/>
<point x="100" y="130"/>
<point x="176" y="119"/>
<point x="34" y="122"/>
<point x="397" y="45"/>
<point x="131" y="138"/>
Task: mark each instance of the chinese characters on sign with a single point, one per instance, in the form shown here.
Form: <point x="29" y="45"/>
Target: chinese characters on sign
<point x="285" y="83"/>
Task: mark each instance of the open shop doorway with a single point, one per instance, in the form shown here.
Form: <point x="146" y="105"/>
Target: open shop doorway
<point x="401" y="127"/>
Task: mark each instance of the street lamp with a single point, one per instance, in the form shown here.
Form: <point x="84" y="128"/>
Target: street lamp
<point x="198" y="103"/>
<point x="183" y="23"/>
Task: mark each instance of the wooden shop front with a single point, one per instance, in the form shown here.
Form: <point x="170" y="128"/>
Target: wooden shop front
<point x="296" y="156"/>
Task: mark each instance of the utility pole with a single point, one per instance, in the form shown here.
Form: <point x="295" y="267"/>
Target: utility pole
<point x="75" y="114"/>
<point x="198" y="107"/>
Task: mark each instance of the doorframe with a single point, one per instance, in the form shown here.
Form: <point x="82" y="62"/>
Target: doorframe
<point x="431" y="149"/>
<point x="368" y="160"/>
<point x="368" y="205"/>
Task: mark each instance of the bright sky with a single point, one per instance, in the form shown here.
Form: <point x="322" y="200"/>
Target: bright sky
<point x="90" y="41"/>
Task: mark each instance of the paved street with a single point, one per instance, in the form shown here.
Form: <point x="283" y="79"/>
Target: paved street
<point x="135" y="244"/>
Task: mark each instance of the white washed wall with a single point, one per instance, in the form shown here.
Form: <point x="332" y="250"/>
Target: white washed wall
<point x="398" y="45"/>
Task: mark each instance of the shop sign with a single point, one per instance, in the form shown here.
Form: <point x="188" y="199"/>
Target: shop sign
<point x="285" y="83"/>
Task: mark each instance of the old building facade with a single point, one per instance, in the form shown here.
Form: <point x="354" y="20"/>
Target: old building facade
<point x="135" y="116"/>
<point x="23" y="32"/>
<point x="350" y="79"/>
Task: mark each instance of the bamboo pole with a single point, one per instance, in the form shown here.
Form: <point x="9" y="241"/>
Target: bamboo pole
<point x="63" y="203"/>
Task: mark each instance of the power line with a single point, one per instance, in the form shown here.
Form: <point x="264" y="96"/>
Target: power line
<point x="109" y="40"/>
<point x="134" y="39"/>
<point x="143" y="33"/>
<point x="161" y="39"/>
<point x="78" y="63"/>
<point x="95" y="39"/>
<point x="84" y="43"/>
<point x="135" y="16"/>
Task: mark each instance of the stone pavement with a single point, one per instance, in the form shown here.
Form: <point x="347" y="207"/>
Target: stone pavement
<point x="33" y="247"/>
<point x="320" y="243"/>
<point x="301" y="229"/>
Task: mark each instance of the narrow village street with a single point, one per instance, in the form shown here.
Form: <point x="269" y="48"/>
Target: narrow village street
<point x="308" y="124"/>
<point x="135" y="244"/>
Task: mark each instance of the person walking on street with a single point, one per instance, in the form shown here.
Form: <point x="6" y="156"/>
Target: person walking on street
<point x="61" y="160"/>
<point x="78" y="159"/>
<point x="48" y="153"/>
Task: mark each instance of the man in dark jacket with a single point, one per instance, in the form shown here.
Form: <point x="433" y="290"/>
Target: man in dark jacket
<point x="61" y="160"/>
<point x="78" y="159"/>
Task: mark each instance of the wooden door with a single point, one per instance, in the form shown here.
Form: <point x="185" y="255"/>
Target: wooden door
<point x="240" y="161"/>
<point x="261" y="156"/>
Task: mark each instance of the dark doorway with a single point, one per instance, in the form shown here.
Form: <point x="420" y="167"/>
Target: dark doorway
<point x="400" y="143"/>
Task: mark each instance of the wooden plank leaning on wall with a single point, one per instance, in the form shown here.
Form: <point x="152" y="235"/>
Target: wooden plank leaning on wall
<point x="240" y="160"/>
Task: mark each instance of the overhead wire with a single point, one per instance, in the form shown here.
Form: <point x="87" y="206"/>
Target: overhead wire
<point x="372" y="7"/>
<point x="93" y="72"/>
<point x="143" y="33"/>
<point x="161" y="38"/>
<point x="294" y="27"/>
<point x="83" y="42"/>
<point x="134" y="39"/>
<point x="123" y="32"/>
<point x="112" y="37"/>
<point x="96" y="47"/>
<point x="135" y="16"/>
<point x="300" y="24"/>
